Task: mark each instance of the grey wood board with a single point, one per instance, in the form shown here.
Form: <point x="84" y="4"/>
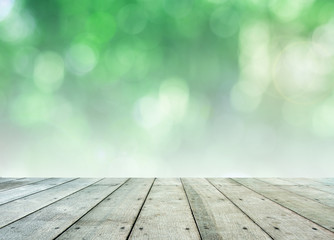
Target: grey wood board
<point x="312" y="183"/>
<point x="278" y="221"/>
<point x="327" y="181"/>
<point x="114" y="217"/>
<point x="49" y="222"/>
<point x="216" y="216"/>
<point x="19" y="208"/>
<point x="18" y="182"/>
<point x="2" y="180"/>
<point x="166" y="214"/>
<point x="320" y="196"/>
<point x="310" y="209"/>
<point x="29" y="189"/>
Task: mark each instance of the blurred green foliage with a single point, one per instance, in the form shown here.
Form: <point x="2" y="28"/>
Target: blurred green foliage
<point x="156" y="78"/>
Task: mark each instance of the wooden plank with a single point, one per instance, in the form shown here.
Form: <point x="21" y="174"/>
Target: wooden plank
<point x="327" y="181"/>
<point x="49" y="222"/>
<point x="2" y="180"/>
<point x="312" y="210"/>
<point x="114" y="217"/>
<point x="217" y="217"/>
<point x="303" y="181"/>
<point x="305" y="191"/>
<point x="278" y="181"/>
<point x="166" y="214"/>
<point x="312" y="183"/>
<point x="18" y="182"/>
<point x="167" y="181"/>
<point x="19" y="208"/>
<point x="279" y="222"/>
<point x="29" y="189"/>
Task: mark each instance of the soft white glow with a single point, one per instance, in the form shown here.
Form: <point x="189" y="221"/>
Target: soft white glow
<point x="323" y="119"/>
<point x="287" y="10"/>
<point x="255" y="67"/>
<point x="174" y="94"/>
<point x="17" y="27"/>
<point x="5" y="8"/>
<point x="245" y="96"/>
<point x="81" y="58"/>
<point x="323" y="39"/>
<point x="299" y="75"/>
<point x="49" y="71"/>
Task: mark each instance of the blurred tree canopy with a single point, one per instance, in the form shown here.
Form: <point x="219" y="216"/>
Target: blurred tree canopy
<point x="160" y="70"/>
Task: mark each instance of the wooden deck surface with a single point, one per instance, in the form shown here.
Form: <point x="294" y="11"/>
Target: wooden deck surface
<point x="187" y="208"/>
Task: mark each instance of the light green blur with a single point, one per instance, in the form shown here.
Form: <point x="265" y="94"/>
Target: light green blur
<point x="166" y="88"/>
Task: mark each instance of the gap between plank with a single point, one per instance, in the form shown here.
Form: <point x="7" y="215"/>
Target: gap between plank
<point x="309" y="186"/>
<point x="13" y="179"/>
<point x="39" y="191"/>
<point x="278" y="186"/>
<point x="1" y="191"/>
<point x="133" y="225"/>
<point x="52" y="203"/>
<point x="240" y="208"/>
<point x="283" y="205"/>
<point x="191" y="210"/>
<point x="91" y="208"/>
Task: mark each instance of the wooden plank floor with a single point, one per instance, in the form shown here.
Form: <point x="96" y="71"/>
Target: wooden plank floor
<point x="147" y="208"/>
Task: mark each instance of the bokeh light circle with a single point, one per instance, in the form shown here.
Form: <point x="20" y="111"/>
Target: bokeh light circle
<point x="178" y="8"/>
<point x="81" y="59"/>
<point x="132" y="19"/>
<point x="224" y="22"/>
<point x="49" y="71"/>
<point x="299" y="74"/>
<point x="5" y="8"/>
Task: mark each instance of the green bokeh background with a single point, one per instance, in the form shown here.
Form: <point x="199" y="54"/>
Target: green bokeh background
<point x="166" y="88"/>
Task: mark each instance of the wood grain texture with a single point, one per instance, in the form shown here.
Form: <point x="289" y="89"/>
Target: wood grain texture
<point x="166" y="208"/>
<point x="278" y="181"/>
<point x="320" y="196"/>
<point x="18" y="182"/>
<point x="312" y="183"/>
<point x="49" y="222"/>
<point x="19" y="208"/>
<point x="216" y="216"/>
<point x="277" y="221"/>
<point x="166" y="214"/>
<point x="2" y="180"/>
<point x="327" y="181"/>
<point x="114" y="217"/>
<point x="312" y="210"/>
<point x="29" y="189"/>
<point x="167" y="182"/>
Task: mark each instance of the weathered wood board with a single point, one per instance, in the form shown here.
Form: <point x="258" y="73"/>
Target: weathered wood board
<point x="277" y="221"/>
<point x="18" y="182"/>
<point x="29" y="189"/>
<point x="165" y="214"/>
<point x="310" y="209"/>
<point x="49" y="222"/>
<point x="305" y="191"/>
<point x="114" y="217"/>
<point x="166" y="208"/>
<point x="216" y="216"/>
